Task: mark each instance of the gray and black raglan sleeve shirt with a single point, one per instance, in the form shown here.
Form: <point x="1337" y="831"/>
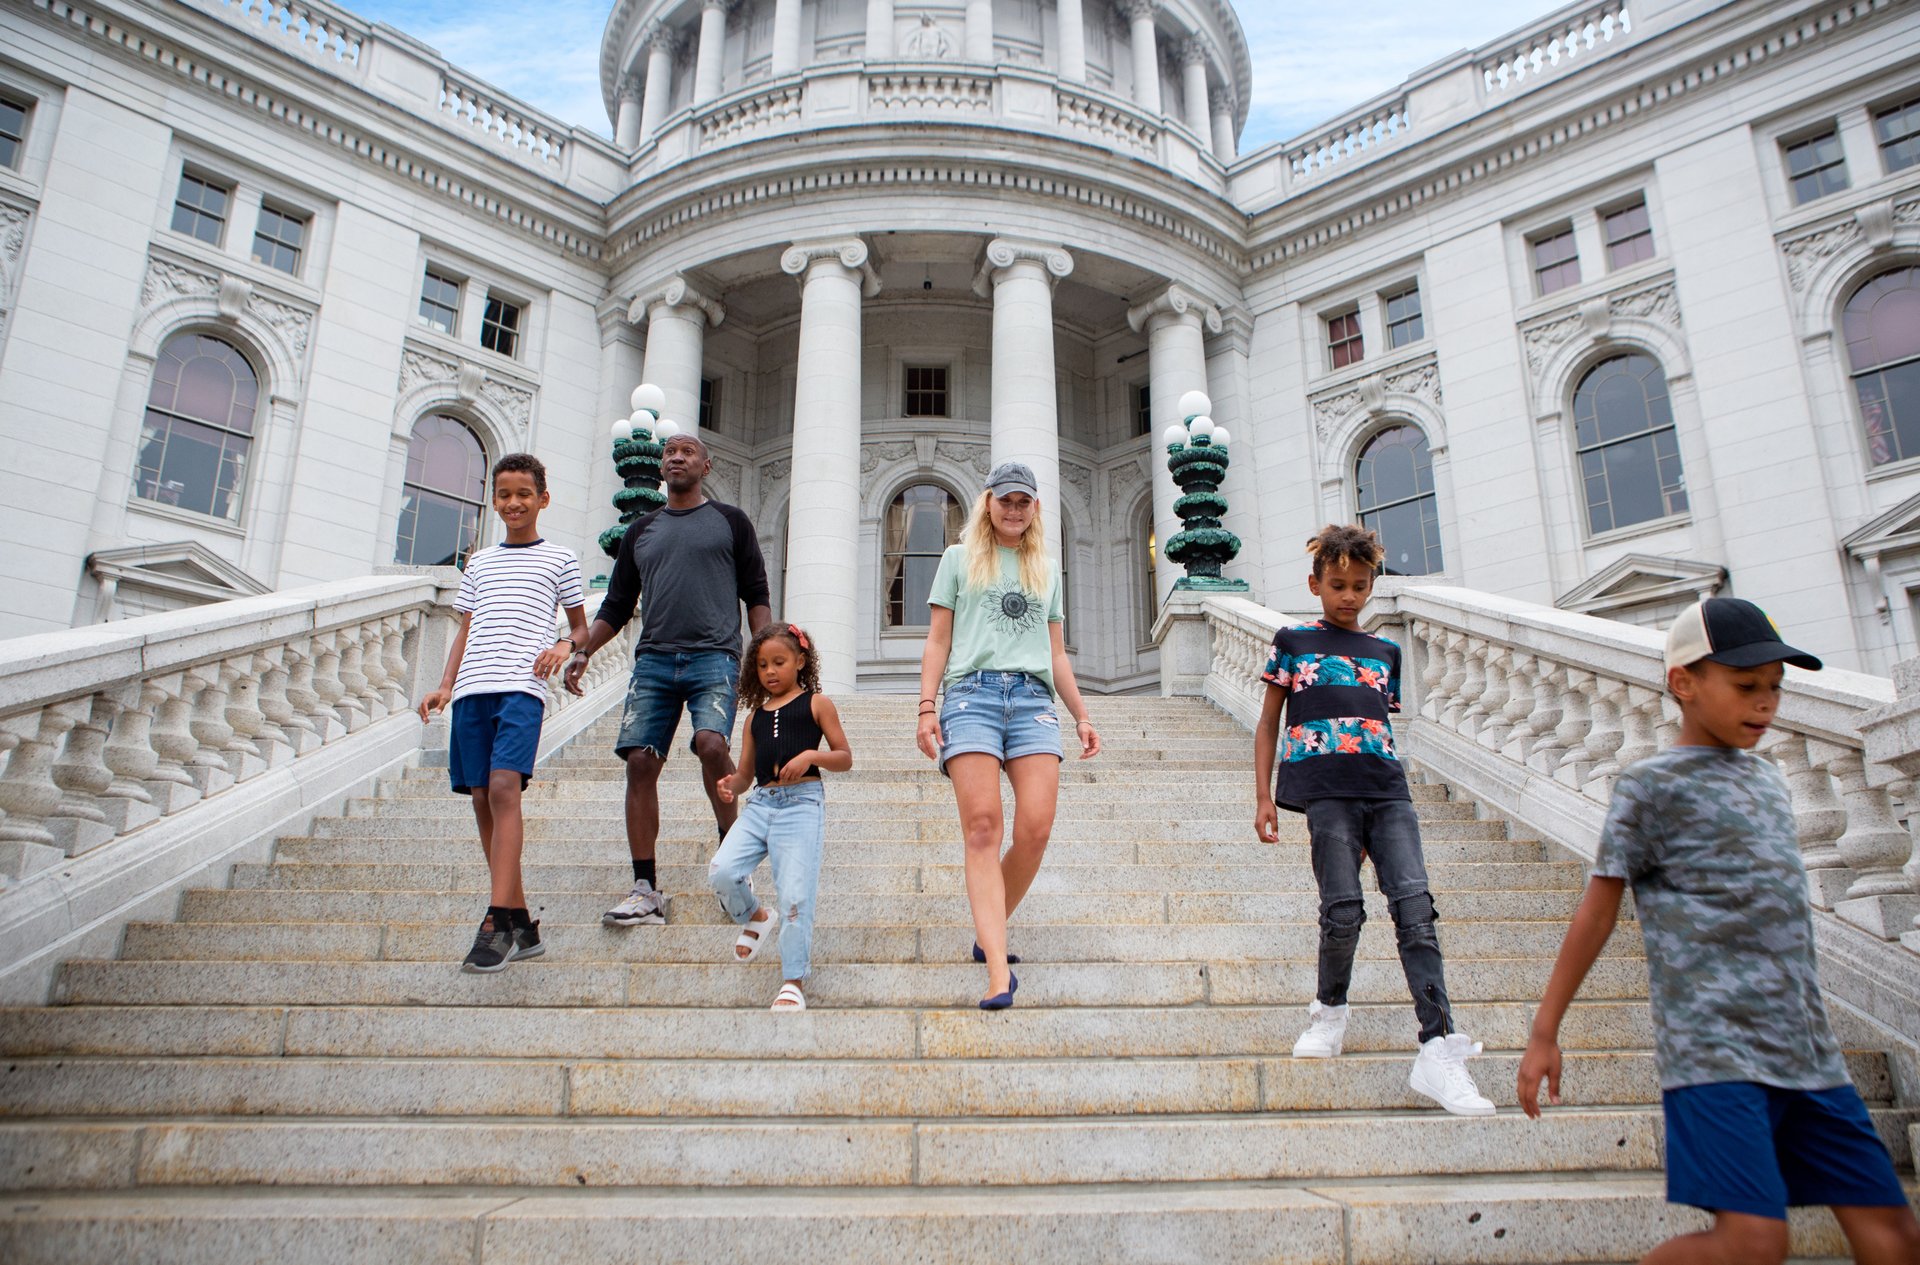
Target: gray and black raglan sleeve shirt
<point x="695" y="567"/>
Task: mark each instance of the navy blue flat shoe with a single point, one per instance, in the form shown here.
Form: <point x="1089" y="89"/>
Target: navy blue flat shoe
<point x="1002" y="1001"/>
<point x="980" y="956"/>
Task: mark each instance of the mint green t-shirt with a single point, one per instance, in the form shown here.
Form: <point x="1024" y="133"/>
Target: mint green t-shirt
<point x="1002" y="628"/>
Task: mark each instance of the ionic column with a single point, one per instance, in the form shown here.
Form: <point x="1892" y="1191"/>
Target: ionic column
<point x="662" y="44"/>
<point x="880" y="44"/>
<point x="1146" y="53"/>
<point x="1225" y="147"/>
<point x="786" y="37"/>
<point x="626" y="128"/>
<point x="1193" y="79"/>
<point x="979" y="45"/>
<point x="1176" y="322"/>
<point x="1073" y="41"/>
<point x="823" y="509"/>
<point x="713" y="47"/>
<point x="677" y="316"/>
<point x="1026" y="420"/>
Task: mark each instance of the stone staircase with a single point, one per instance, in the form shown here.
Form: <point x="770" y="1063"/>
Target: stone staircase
<point x="296" y="1069"/>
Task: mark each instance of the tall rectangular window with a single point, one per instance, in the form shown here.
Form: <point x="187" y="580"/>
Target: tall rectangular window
<point x="440" y="302"/>
<point x="1898" y="131"/>
<point x="1143" y="409"/>
<point x="1405" y="324"/>
<point x="13" y="131"/>
<point x="1816" y="167"/>
<point x="709" y="403"/>
<point x="1344" y="344"/>
<point x="1629" y="235"/>
<point x="500" y="326"/>
<point x="279" y="238"/>
<point x="926" y="391"/>
<point x="200" y="208"/>
<point x="1556" y="262"/>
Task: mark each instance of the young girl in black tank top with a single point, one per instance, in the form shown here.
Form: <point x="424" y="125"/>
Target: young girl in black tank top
<point x="784" y="820"/>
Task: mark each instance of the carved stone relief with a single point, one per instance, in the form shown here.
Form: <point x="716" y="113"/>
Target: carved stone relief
<point x="1123" y="485"/>
<point x="929" y="42"/>
<point x="511" y="401"/>
<point x="233" y="296"/>
<point x="1080" y="478"/>
<point x="1806" y="253"/>
<point x="13" y="241"/>
<point x="871" y="455"/>
<point x="1331" y="409"/>
<point x="1656" y="303"/>
<point x="979" y="456"/>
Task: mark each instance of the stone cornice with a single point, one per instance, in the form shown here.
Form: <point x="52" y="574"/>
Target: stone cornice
<point x="1178" y="301"/>
<point x="676" y="291"/>
<point x="850" y="253"/>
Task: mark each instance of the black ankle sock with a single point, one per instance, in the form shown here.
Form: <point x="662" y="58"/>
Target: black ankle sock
<point x="521" y="918"/>
<point x="644" y="870"/>
<point x="501" y="915"/>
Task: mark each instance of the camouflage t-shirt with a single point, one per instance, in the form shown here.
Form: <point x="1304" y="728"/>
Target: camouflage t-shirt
<point x="1705" y="836"/>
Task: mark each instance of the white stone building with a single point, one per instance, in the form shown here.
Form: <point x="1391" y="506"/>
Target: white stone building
<point x="1618" y="310"/>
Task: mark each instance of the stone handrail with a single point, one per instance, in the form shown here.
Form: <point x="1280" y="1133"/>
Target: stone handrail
<point x="1535" y="710"/>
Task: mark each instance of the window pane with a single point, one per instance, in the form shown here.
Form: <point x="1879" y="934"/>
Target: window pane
<point x="439" y="301"/>
<point x="278" y="239"/>
<point x="1898" y="131"/>
<point x="435" y="531"/>
<point x="922" y="521"/>
<point x="1629" y="236"/>
<point x="1394" y="487"/>
<point x="1404" y="322"/>
<point x="1881" y="322"/>
<point x="1410" y="532"/>
<point x="190" y="465"/>
<point x="1629" y="451"/>
<point x="1344" y="344"/>
<point x="442" y="496"/>
<point x="200" y="209"/>
<point x="13" y="130"/>
<point x="1890" y="412"/>
<point x="1142" y="410"/>
<point x="709" y="403"/>
<point x="1556" y="263"/>
<point x="926" y="391"/>
<point x="500" y="325"/>
<point x="1816" y="167"/>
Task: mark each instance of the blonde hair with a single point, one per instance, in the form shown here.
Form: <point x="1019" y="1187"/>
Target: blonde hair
<point x="983" y="558"/>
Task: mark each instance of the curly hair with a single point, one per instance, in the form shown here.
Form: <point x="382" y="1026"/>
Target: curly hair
<point x="1340" y="543"/>
<point x="752" y="693"/>
<point x="523" y="463"/>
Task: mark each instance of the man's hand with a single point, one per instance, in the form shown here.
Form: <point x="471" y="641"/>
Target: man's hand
<point x="576" y="668"/>
<point x="435" y="702"/>
<point x="551" y="660"/>
<point x="1542" y="1060"/>
<point x="1266" y="821"/>
<point x="795" y="769"/>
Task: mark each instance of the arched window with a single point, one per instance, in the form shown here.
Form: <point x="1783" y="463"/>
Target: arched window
<point x="1882" y="328"/>
<point x="199" y="427"/>
<point x="1394" y="481"/>
<point x="922" y="521"/>
<point x="1629" y="454"/>
<point x="443" y="496"/>
<point x="1066" y="593"/>
<point x="1148" y="556"/>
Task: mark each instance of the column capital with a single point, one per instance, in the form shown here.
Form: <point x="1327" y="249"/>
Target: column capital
<point x="675" y="291"/>
<point x="629" y="89"/>
<point x="726" y="6"/>
<point x="1194" y="50"/>
<point x="850" y="253"/>
<point x="1176" y="302"/>
<point x="659" y="37"/>
<point x="1224" y="100"/>
<point x="1134" y="10"/>
<point x="1004" y="252"/>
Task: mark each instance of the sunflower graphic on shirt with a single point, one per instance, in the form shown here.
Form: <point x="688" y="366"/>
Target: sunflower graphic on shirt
<point x="1011" y="609"/>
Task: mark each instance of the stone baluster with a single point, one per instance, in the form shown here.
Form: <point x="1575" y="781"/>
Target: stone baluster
<point x="209" y="768"/>
<point x="1637" y="721"/>
<point x="174" y="746"/>
<point x="394" y="630"/>
<point x="1881" y="898"/>
<point x="28" y="793"/>
<point x="130" y="757"/>
<point x="1433" y="669"/>
<point x="1498" y="692"/>
<point x="1454" y="701"/>
<point x="1576" y="722"/>
<point x="1527" y="672"/>
<point x="244" y="717"/>
<point x="1606" y="737"/>
<point x="1550" y="696"/>
<point x="1667" y="729"/>
<point x="1474" y="688"/>
<point x="79" y="822"/>
<point x="352" y="682"/>
<point x="276" y="741"/>
<point x="314" y="688"/>
<point x="1818" y="815"/>
<point x="1519" y="699"/>
<point x="373" y="666"/>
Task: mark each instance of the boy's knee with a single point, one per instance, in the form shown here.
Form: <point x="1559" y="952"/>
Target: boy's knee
<point x="1343" y="919"/>
<point x="1752" y="1240"/>
<point x="503" y="789"/>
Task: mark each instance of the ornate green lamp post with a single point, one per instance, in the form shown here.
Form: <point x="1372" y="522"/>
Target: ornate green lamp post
<point x="637" y="441"/>
<point x="1197" y="456"/>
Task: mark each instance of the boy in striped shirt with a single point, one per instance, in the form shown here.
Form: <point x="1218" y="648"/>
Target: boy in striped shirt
<point x="495" y="672"/>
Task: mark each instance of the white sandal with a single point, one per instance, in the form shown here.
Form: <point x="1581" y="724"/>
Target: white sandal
<point x="792" y="996"/>
<point x="755" y="935"/>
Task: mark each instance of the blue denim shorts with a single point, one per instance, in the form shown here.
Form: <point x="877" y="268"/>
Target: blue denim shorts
<point x="1002" y="714"/>
<point x="493" y="731"/>
<point x="1739" y="1146"/>
<point x="705" y="684"/>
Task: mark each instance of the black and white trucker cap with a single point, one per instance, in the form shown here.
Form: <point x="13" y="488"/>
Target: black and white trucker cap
<point x="1730" y="631"/>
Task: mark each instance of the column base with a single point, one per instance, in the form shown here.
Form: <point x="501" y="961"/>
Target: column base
<point x="1828" y="887"/>
<point x="1888" y="917"/>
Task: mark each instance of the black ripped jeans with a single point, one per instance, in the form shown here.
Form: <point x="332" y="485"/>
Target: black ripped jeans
<point x="1390" y="833"/>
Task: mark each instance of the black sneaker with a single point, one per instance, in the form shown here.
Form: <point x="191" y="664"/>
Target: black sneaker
<point x="493" y="948"/>
<point x="527" y="942"/>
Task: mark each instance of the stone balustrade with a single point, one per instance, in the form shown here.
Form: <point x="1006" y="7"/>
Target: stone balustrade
<point x="317" y="31"/>
<point x="514" y="128"/>
<point x="1556" y="44"/>
<point x="1371" y="127"/>
<point x="1536" y="710"/>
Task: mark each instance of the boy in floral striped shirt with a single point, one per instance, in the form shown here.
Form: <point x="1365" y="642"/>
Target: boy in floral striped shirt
<point x="1338" y="686"/>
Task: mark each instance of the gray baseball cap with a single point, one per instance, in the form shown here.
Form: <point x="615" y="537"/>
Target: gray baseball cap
<point x="1009" y="477"/>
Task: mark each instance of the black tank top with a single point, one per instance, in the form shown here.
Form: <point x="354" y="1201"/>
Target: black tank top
<point x="782" y="734"/>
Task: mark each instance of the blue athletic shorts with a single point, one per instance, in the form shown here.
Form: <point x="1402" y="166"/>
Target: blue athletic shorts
<point x="1002" y="714"/>
<point x="493" y="731"/>
<point x="706" y="684"/>
<point x="1745" y="1147"/>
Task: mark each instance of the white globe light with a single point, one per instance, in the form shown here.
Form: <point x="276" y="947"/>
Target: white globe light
<point x="666" y="430"/>
<point x="1173" y="437"/>
<point x="1201" y="427"/>
<point x="1195" y="404"/>
<point x="642" y="419"/>
<point x="1220" y="437"/>
<point x="648" y="396"/>
<point x="622" y="429"/>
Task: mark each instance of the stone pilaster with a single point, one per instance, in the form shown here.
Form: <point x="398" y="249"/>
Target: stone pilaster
<point x="1026" y="421"/>
<point x="1176" y="322"/>
<point x="979" y="37"/>
<point x="880" y="41"/>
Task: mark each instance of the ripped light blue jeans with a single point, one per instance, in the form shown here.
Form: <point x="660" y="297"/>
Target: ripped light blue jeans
<point x="786" y="825"/>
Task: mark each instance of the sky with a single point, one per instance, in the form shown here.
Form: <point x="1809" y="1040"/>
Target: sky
<point x="1311" y="60"/>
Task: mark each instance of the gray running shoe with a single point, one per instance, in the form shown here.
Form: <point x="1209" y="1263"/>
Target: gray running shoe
<point x="642" y="904"/>
<point x="494" y="948"/>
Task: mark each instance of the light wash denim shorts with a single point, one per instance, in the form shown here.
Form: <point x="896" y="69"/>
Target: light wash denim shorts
<point x="1002" y="714"/>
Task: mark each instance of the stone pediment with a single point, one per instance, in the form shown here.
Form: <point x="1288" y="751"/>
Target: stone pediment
<point x="1896" y="531"/>
<point x="1640" y="579"/>
<point x="183" y="569"/>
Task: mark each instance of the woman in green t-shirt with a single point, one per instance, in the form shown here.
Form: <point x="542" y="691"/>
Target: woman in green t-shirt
<point x="994" y="645"/>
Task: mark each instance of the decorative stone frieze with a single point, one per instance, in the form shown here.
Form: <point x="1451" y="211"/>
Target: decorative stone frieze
<point x="13" y="243"/>
<point x="1125" y="482"/>
<point x="774" y="473"/>
<point x="1079" y="478"/>
<point x="1335" y="407"/>
<point x="1873" y="225"/>
<point x="979" y="456"/>
<point x="872" y="454"/>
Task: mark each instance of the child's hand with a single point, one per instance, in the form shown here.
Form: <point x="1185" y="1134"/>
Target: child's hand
<point x="1542" y="1059"/>
<point x="435" y="702"/>
<point x="724" y="789"/>
<point x="551" y="660"/>
<point x="1266" y="821"/>
<point x="795" y="769"/>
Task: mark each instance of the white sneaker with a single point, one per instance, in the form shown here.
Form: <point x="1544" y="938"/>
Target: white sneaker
<point x="1325" y="1035"/>
<point x="642" y="904"/>
<point x="1440" y="1072"/>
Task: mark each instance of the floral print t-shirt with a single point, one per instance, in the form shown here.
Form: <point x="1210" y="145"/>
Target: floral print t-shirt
<point x="1336" y="741"/>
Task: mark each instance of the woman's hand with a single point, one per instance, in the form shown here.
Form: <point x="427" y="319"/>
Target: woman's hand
<point x="795" y="769"/>
<point x="1089" y="739"/>
<point x="929" y="736"/>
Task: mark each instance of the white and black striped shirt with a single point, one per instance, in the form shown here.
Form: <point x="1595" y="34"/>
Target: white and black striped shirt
<point x="508" y="593"/>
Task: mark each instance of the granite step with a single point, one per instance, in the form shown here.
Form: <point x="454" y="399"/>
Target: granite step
<point x="906" y="802"/>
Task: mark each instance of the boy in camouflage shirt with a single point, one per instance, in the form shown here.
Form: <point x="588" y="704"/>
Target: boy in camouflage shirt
<point x="1760" y="1114"/>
